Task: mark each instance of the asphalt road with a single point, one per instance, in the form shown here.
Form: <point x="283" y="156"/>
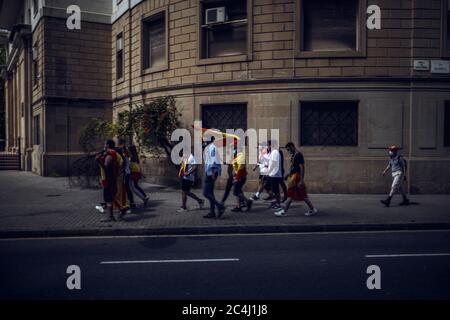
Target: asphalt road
<point x="413" y="265"/>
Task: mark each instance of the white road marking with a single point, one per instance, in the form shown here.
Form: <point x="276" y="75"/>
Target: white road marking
<point x="407" y="255"/>
<point x="169" y="261"/>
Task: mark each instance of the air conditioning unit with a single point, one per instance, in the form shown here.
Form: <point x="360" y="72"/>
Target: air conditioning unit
<point x="215" y="15"/>
<point x="119" y="44"/>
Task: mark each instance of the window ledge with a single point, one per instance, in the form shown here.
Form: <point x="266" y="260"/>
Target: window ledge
<point x="120" y="80"/>
<point x="330" y="54"/>
<point x="155" y="69"/>
<point x="218" y="60"/>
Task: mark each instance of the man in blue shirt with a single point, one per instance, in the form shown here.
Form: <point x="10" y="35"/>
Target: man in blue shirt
<point x="212" y="171"/>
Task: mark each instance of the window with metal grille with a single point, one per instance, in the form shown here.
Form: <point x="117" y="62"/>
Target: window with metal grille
<point x="447" y="124"/>
<point x="330" y="123"/>
<point x="224" y="116"/>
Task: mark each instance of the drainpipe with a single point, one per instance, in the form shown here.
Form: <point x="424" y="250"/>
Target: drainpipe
<point x="130" y="34"/>
<point x="411" y="99"/>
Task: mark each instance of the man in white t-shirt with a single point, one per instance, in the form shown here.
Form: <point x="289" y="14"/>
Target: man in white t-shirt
<point x="275" y="172"/>
<point x="263" y="165"/>
<point x="187" y="175"/>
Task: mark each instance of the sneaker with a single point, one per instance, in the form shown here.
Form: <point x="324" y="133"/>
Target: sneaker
<point x="386" y="202"/>
<point x="280" y="213"/>
<point x="123" y="213"/>
<point x="311" y="212"/>
<point x="210" y="216"/>
<point x="243" y="204"/>
<point x="201" y="203"/>
<point x="275" y="206"/>
<point x="249" y="205"/>
<point x="254" y="197"/>
<point x="221" y="211"/>
<point x="182" y="210"/>
<point x="236" y="209"/>
<point x="100" y="209"/>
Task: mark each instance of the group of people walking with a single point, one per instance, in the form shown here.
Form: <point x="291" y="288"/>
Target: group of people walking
<point x="119" y="174"/>
<point x="271" y="179"/>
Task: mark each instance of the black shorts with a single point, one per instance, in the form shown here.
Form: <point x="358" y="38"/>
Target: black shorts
<point x="186" y="185"/>
<point x="237" y="190"/>
<point x="275" y="184"/>
<point x="266" y="183"/>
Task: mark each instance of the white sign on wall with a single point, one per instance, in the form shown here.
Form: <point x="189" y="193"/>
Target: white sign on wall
<point x="440" y="66"/>
<point x="422" y="65"/>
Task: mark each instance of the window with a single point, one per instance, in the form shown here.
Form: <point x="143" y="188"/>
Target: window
<point x="330" y="123"/>
<point x="224" y="116"/>
<point x="329" y="28"/>
<point x="224" y="30"/>
<point x="35" y="7"/>
<point x="447" y="124"/>
<point x="154" y="42"/>
<point x="37" y="130"/>
<point x="35" y="65"/>
<point x="119" y="57"/>
<point x="446" y="28"/>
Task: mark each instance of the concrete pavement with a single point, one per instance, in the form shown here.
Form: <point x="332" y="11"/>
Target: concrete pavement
<point x="34" y="206"/>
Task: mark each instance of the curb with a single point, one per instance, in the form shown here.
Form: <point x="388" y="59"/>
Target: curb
<point x="15" y="234"/>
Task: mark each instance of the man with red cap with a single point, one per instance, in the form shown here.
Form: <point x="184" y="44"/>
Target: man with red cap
<point x="398" y="166"/>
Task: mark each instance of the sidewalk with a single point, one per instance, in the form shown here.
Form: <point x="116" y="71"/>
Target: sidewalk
<point x="33" y="206"/>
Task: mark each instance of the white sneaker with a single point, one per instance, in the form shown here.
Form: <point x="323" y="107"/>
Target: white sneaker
<point x="280" y="213"/>
<point x="182" y="210"/>
<point x="100" y="209"/>
<point x="311" y="212"/>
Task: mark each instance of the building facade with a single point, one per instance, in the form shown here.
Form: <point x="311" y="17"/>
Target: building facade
<point x="56" y="79"/>
<point x="312" y="69"/>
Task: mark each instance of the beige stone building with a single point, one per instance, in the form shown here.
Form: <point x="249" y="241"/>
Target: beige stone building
<point x="310" y="68"/>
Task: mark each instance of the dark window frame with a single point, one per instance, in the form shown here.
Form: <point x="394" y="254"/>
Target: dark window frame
<point x="37" y="129"/>
<point x="35" y="8"/>
<point x="445" y="44"/>
<point x="447" y="124"/>
<point x="355" y="104"/>
<point x="152" y="16"/>
<point x="35" y="66"/>
<point x="361" y="35"/>
<point x="122" y="53"/>
<point x="248" y="56"/>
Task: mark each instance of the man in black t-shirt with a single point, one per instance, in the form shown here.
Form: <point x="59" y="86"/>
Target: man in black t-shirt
<point x="296" y="185"/>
